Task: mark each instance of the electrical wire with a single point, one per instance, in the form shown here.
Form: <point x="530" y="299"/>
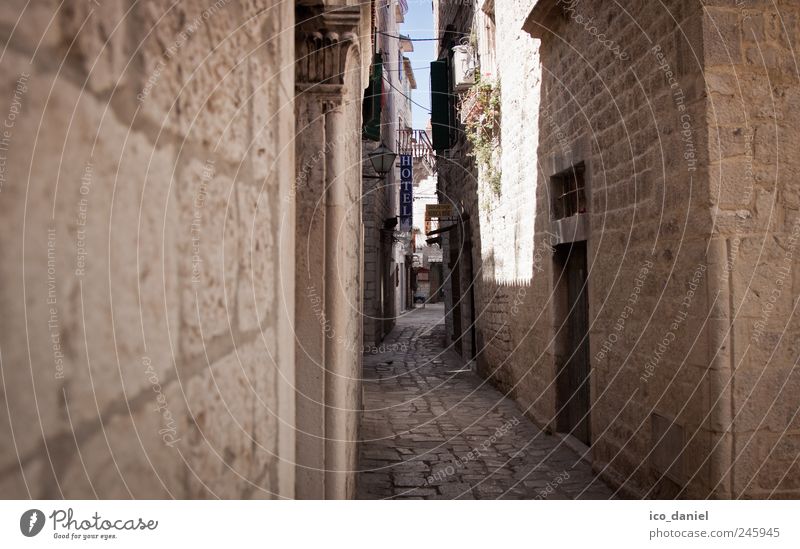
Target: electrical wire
<point x="400" y="37"/>
<point x="423" y="107"/>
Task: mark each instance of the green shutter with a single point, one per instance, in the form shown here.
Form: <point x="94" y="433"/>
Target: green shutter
<point x="440" y="105"/>
<point x="372" y="101"/>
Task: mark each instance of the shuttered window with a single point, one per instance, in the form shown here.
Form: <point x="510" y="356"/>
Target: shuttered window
<point x="372" y="101"/>
<point x="440" y="105"/>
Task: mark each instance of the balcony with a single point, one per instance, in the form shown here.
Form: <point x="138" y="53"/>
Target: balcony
<point x="418" y="144"/>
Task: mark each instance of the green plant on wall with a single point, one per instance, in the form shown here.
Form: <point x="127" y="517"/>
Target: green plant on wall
<point x="481" y="115"/>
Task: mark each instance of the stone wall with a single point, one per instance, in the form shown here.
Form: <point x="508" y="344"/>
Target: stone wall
<point x="382" y="297"/>
<point x="511" y="281"/>
<point x="146" y="348"/>
<point x="682" y="188"/>
<point x="753" y="94"/>
<point x="148" y="223"/>
<point x="632" y="109"/>
<point x="458" y="186"/>
<point x="377" y="205"/>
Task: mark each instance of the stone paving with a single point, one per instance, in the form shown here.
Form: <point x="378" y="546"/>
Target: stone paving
<point x="431" y="432"/>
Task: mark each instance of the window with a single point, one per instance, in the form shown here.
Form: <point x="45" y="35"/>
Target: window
<point x="488" y="46"/>
<point x="373" y="101"/>
<point x="568" y="192"/>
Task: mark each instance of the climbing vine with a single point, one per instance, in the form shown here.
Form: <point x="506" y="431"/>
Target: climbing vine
<point x="481" y="114"/>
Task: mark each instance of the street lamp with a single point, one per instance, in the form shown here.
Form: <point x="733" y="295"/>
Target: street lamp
<point x="382" y="160"/>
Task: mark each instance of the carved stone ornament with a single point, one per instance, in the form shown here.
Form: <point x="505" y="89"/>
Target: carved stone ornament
<point x="323" y="38"/>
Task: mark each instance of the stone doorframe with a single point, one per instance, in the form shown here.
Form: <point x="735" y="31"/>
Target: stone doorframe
<point x="563" y="232"/>
<point x="327" y="345"/>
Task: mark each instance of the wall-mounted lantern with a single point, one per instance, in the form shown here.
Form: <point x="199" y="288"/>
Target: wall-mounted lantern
<point x="382" y="160"/>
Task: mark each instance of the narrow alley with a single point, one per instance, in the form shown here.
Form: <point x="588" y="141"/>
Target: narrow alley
<point x="397" y="249"/>
<point x="432" y="429"/>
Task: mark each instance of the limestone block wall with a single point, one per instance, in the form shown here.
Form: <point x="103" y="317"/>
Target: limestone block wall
<point x="147" y="220"/>
<point x="461" y="259"/>
<point x="753" y="93"/>
<point x="630" y="107"/>
<point x="458" y="186"/>
<point x="383" y="299"/>
<point x="618" y="106"/>
<point x="377" y="206"/>
<point x="512" y="318"/>
<point x="679" y="116"/>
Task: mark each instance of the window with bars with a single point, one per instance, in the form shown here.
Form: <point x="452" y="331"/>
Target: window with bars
<point x="568" y="193"/>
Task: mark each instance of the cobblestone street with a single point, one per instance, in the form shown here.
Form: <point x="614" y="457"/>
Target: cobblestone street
<point x="434" y="431"/>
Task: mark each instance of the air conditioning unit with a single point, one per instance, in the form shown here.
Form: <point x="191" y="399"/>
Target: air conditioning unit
<point x="463" y="68"/>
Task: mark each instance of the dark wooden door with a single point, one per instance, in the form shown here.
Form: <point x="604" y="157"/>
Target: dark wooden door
<point x="471" y="281"/>
<point x="573" y="379"/>
<point x="455" y="284"/>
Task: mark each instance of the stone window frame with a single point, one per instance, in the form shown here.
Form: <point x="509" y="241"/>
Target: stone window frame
<point x="557" y="163"/>
<point x="568" y="192"/>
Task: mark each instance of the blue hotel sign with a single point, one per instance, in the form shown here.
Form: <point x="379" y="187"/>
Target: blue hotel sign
<point x="406" y="193"/>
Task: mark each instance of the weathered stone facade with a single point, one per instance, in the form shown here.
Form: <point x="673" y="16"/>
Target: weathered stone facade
<point x="384" y="257"/>
<point x="378" y="287"/>
<point x="681" y="119"/>
<point x="151" y="285"/>
<point x="648" y="220"/>
<point x="458" y="186"/>
<point x="378" y="201"/>
<point x="754" y="159"/>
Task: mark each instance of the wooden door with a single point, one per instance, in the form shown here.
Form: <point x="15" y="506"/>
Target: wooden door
<point x="455" y="285"/>
<point x="573" y="379"/>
